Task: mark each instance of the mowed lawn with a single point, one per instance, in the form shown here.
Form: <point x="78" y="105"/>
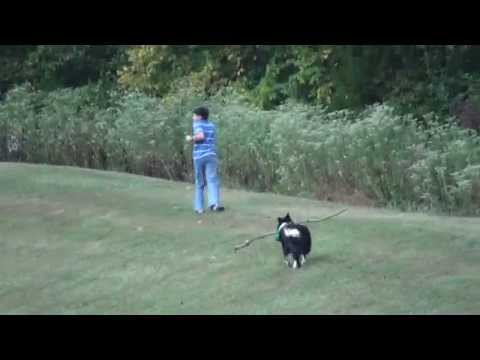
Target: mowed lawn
<point x="76" y="241"/>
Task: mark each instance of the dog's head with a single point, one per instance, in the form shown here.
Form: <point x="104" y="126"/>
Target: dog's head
<point x="286" y="219"/>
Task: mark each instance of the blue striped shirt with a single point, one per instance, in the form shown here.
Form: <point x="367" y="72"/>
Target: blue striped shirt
<point x="208" y="146"/>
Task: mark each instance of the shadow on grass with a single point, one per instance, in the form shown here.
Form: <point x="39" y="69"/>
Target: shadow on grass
<point x="321" y="259"/>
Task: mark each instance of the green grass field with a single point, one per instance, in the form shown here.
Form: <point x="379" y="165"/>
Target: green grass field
<point x="76" y="241"/>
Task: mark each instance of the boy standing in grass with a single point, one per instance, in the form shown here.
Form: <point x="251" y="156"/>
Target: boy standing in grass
<point x="205" y="161"/>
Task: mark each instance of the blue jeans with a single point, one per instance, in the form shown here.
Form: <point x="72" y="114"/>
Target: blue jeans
<point x="206" y="174"/>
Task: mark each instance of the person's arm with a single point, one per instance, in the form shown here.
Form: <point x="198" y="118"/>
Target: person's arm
<point x="198" y="135"/>
<point x="196" y="138"/>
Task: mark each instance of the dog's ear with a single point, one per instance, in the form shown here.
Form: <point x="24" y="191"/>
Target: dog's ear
<point x="280" y="220"/>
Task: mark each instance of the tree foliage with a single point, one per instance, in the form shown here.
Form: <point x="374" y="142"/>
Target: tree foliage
<point x="51" y="67"/>
<point x="339" y="76"/>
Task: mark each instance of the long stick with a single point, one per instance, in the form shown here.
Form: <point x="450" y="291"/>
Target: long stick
<point x="250" y="241"/>
<point x="324" y="219"/>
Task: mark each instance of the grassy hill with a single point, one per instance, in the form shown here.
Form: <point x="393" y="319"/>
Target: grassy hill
<point x="76" y="241"/>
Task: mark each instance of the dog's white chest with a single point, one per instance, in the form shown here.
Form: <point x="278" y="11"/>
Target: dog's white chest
<point x="291" y="232"/>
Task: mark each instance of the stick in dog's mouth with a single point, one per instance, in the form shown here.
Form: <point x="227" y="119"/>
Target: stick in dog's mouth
<point x="250" y="241"/>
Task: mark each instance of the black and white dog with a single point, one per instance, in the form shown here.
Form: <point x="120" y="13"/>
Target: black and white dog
<point x="296" y="241"/>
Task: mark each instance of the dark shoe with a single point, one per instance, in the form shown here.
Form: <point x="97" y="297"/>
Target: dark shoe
<point x="216" y="208"/>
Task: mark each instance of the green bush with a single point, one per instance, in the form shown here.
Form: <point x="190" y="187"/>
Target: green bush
<point x="295" y="149"/>
<point x="245" y="146"/>
<point x="383" y="155"/>
<point x="17" y="121"/>
<point x="147" y="136"/>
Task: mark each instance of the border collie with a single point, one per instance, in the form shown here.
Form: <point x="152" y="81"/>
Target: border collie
<point x="296" y="241"/>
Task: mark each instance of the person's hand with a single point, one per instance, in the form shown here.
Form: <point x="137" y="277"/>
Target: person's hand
<point x="189" y="138"/>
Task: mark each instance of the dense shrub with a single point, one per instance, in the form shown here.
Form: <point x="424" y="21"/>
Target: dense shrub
<point x="295" y="149"/>
<point x="383" y="155"/>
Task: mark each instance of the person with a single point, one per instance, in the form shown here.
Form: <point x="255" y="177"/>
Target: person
<point x="205" y="160"/>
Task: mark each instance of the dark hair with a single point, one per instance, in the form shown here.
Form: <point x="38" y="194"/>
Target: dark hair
<point x="202" y="111"/>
